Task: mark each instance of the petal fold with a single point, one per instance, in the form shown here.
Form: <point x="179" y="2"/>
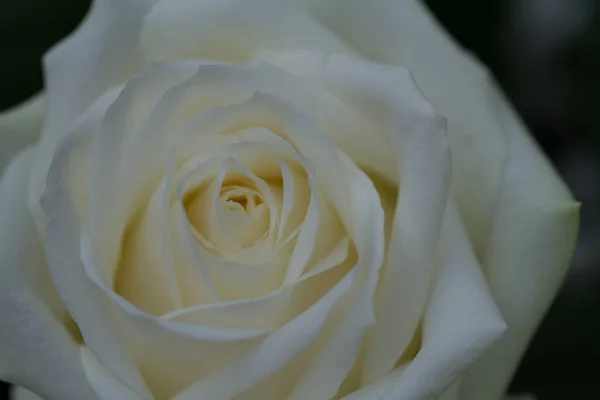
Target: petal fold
<point x="103" y="52"/>
<point x="229" y="30"/>
<point x="461" y="323"/>
<point x="404" y="33"/>
<point x="38" y="350"/>
<point x="532" y="240"/>
<point x="406" y="123"/>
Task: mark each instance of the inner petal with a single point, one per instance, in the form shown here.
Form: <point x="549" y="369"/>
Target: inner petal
<point x="244" y="215"/>
<point x="241" y="198"/>
<point x="234" y="211"/>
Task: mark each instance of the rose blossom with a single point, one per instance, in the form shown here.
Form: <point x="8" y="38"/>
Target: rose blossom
<point x="260" y="199"/>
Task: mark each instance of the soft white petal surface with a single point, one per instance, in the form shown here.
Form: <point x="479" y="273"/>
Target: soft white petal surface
<point x="19" y="393"/>
<point x="103" y="382"/>
<point x="482" y="140"/>
<point x="272" y="354"/>
<point x="229" y="30"/>
<point x="387" y="97"/>
<point x="102" y="52"/>
<point x="337" y="356"/>
<point x="141" y="353"/>
<point x="37" y="348"/>
<point x="532" y="240"/>
<point x="20" y="127"/>
<point x="110" y="194"/>
<point x="403" y="33"/>
<point x="67" y="187"/>
<point x="461" y="323"/>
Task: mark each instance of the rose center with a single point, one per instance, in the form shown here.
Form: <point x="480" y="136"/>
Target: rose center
<point x="243" y="200"/>
<point x="232" y="217"/>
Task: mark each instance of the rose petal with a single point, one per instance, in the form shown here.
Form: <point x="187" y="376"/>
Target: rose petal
<point x="269" y="311"/>
<point x="20" y="126"/>
<point x="37" y="349"/>
<point x="146" y="274"/>
<point x="229" y="30"/>
<point x="104" y="384"/>
<point x="323" y="377"/>
<point x="532" y="240"/>
<point x="19" y="393"/>
<point x="404" y="33"/>
<point x="296" y="191"/>
<point x="462" y="322"/>
<point x="232" y="280"/>
<point x="89" y="308"/>
<point x="389" y="99"/>
<point x="107" y="203"/>
<point x="272" y="354"/>
<point x="335" y="257"/>
<point x="183" y="352"/>
<point x="101" y="53"/>
<point x="266" y="110"/>
<point x="171" y="355"/>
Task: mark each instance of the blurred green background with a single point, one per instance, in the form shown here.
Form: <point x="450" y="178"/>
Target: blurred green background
<point x="545" y="54"/>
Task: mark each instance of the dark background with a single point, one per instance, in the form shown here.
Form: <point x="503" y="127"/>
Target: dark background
<point x="546" y="56"/>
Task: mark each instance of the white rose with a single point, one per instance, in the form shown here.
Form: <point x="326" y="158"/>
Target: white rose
<point x="274" y="211"/>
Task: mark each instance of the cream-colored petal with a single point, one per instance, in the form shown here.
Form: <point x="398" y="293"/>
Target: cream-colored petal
<point x="146" y="273"/>
<point x="335" y="257"/>
<point x="101" y="53"/>
<point x="388" y="98"/>
<point x="206" y="215"/>
<point x="19" y="393"/>
<point x="404" y="33"/>
<point x="67" y="254"/>
<point x="74" y="152"/>
<point x="223" y="85"/>
<point x="327" y="371"/>
<point x="229" y="279"/>
<point x="303" y="132"/>
<point x="277" y="350"/>
<point x="294" y="184"/>
<point x="461" y="323"/>
<point x="268" y="311"/>
<point x="105" y="385"/>
<point x="406" y="277"/>
<point x="109" y="194"/>
<point x="532" y="240"/>
<point x="282" y="165"/>
<point x="171" y="355"/>
<point x="145" y="149"/>
<point x="20" y="127"/>
<point x="229" y="30"/>
<point x="307" y="236"/>
<point x="37" y="345"/>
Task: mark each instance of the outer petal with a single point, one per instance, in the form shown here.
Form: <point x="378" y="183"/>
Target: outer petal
<point x="88" y="306"/>
<point x="20" y="127"/>
<point x="531" y="243"/>
<point x="401" y="32"/>
<point x="19" y="393"/>
<point x="387" y="97"/>
<point x="461" y="323"/>
<point x="230" y="30"/>
<point x="333" y="362"/>
<point x="103" y="52"/>
<point x="37" y="350"/>
<point x="534" y="219"/>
